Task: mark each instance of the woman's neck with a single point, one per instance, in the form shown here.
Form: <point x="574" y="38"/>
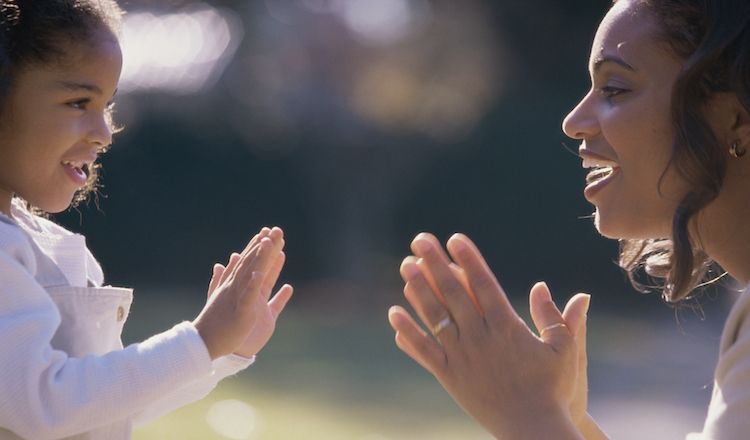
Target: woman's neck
<point x="724" y="227"/>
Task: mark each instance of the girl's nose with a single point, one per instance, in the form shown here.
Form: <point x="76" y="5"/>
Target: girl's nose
<point x="581" y="122"/>
<point x="100" y="132"/>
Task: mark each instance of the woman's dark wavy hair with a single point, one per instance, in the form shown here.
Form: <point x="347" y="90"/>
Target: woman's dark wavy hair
<point x="42" y="32"/>
<point x="713" y="37"/>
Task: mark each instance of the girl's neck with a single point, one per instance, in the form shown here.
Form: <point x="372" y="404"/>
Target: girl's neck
<point x="5" y="201"/>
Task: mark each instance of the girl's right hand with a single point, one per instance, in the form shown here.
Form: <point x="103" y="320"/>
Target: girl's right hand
<point x="233" y="307"/>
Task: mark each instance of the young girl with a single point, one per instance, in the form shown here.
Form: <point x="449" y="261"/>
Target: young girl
<point x="665" y="129"/>
<point x="64" y="370"/>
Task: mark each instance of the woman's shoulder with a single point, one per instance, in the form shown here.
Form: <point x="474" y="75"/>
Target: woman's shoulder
<point x="737" y="325"/>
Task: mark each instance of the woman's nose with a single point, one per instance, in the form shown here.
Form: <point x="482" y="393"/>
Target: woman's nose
<point x="581" y="122"/>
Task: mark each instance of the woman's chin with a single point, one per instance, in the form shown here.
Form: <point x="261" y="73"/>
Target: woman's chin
<point x="616" y="228"/>
<point x="603" y="228"/>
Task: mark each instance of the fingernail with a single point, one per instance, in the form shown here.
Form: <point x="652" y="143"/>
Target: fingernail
<point x="410" y="270"/>
<point x="587" y="302"/>
<point x="545" y="291"/>
<point x="421" y="245"/>
<point x="457" y="243"/>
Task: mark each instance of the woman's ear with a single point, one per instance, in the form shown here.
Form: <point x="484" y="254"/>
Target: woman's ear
<point x="741" y="127"/>
<point x="729" y="119"/>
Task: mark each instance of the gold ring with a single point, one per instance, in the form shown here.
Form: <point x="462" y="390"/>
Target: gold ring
<point x="440" y="326"/>
<point x="551" y="327"/>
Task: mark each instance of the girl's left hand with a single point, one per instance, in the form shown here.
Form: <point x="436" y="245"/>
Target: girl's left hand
<point x="267" y="309"/>
<point x="514" y="383"/>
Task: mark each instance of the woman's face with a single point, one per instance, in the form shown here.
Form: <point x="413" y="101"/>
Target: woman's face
<point x="625" y="128"/>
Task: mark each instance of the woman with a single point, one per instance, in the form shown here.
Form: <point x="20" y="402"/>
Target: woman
<point x="664" y="130"/>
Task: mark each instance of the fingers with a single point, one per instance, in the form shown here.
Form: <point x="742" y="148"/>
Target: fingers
<point x="273" y="275"/>
<point x="249" y="294"/>
<point x="279" y="301"/>
<point x="259" y="260"/>
<point x="547" y="318"/>
<point x="575" y="315"/>
<point x="218" y="270"/>
<point x="489" y="295"/>
<point x="435" y="262"/>
<point x="234" y="259"/>
<point x="575" y="311"/>
<point x="414" y="341"/>
<point x="425" y="302"/>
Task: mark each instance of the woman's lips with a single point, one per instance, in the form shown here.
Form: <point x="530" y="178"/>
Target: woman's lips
<point x="598" y="179"/>
<point x="603" y="171"/>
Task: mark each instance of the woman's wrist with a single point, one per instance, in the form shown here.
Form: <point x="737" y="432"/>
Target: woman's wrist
<point x="590" y="429"/>
<point x="550" y="423"/>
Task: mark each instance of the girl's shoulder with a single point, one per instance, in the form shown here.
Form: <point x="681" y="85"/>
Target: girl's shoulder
<point x="58" y="243"/>
<point x="15" y="244"/>
<point x="36" y="224"/>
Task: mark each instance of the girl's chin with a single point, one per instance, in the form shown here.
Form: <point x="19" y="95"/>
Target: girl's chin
<point x="52" y="206"/>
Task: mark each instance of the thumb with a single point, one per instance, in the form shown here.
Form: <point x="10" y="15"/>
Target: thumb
<point x="575" y="313"/>
<point x="218" y="270"/>
<point x="547" y="318"/>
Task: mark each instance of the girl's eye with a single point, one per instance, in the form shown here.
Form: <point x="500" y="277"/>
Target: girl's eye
<point x="79" y="104"/>
<point x="611" y="92"/>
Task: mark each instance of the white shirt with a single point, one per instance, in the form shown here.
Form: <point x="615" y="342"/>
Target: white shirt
<point x="65" y="373"/>
<point x="728" y="415"/>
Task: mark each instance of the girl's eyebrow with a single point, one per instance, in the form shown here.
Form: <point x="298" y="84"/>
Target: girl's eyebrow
<point x="75" y="86"/>
<point x="598" y="62"/>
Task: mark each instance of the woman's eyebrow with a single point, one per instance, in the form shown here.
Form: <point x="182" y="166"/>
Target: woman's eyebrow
<point x="597" y="63"/>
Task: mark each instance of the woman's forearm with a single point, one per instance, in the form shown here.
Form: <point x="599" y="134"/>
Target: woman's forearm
<point x="542" y="425"/>
<point x="590" y="430"/>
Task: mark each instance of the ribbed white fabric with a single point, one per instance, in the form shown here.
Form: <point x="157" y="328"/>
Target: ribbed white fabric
<point x="47" y="394"/>
<point x="728" y="415"/>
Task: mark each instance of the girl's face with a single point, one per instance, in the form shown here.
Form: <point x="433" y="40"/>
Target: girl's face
<point x="625" y="127"/>
<point x="55" y="122"/>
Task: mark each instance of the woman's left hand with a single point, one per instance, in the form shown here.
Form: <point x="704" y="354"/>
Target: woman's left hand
<point x="514" y="383"/>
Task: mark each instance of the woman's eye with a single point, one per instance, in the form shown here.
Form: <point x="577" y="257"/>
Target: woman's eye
<point x="611" y="92"/>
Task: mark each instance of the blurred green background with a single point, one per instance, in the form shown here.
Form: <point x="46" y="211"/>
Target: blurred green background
<point x="354" y="125"/>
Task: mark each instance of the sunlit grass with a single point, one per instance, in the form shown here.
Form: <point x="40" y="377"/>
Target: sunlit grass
<point x="301" y="416"/>
<point x="319" y="378"/>
<point x="334" y="376"/>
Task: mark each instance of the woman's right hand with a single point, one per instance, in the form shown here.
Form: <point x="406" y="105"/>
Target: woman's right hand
<point x="235" y="304"/>
<point x="513" y="382"/>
